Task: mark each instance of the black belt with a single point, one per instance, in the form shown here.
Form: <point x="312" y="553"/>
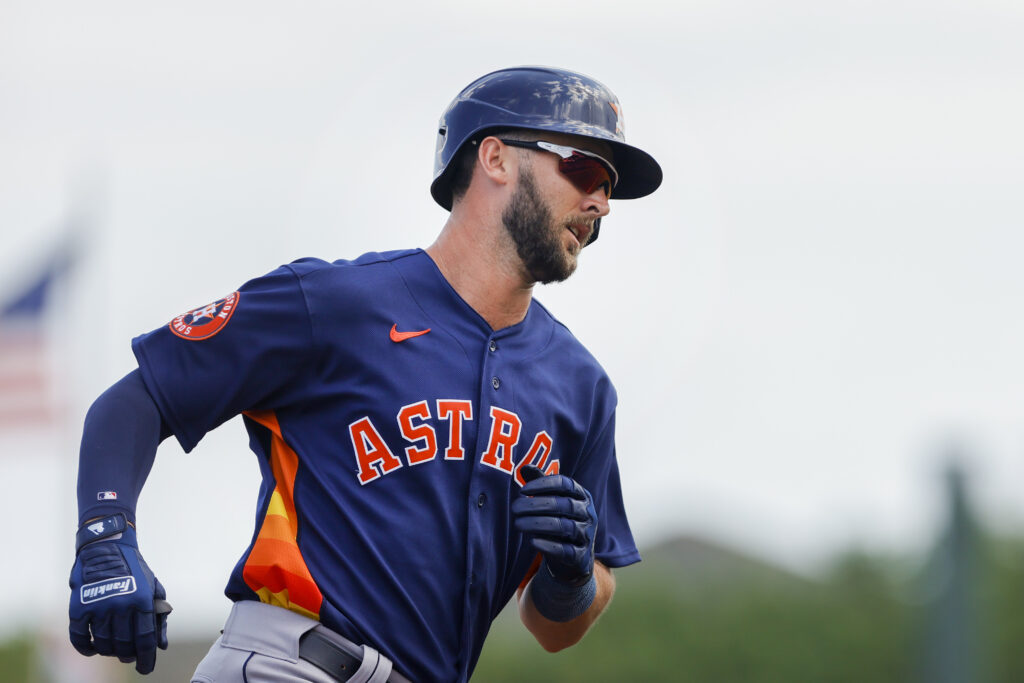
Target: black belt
<point x="318" y="650"/>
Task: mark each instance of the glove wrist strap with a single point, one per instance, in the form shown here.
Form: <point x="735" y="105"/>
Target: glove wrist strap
<point x="574" y="582"/>
<point x="99" y="529"/>
<point x="559" y="601"/>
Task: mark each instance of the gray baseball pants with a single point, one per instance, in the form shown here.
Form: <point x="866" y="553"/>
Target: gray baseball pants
<point x="260" y="644"/>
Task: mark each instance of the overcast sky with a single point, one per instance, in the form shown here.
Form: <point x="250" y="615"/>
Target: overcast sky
<point x="823" y="293"/>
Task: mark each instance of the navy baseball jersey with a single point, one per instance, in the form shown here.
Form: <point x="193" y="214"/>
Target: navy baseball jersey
<point x="390" y="423"/>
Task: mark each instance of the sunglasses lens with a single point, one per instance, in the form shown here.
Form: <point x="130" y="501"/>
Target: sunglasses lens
<point x="586" y="173"/>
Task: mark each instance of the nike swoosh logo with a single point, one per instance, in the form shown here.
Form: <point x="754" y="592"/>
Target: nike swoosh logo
<point x="397" y="336"/>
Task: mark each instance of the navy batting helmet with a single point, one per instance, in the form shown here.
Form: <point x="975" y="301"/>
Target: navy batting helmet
<point x="540" y="98"/>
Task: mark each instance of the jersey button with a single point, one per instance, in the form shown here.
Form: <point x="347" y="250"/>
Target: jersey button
<point x="495" y="382"/>
<point x="481" y="499"/>
<point x="493" y="346"/>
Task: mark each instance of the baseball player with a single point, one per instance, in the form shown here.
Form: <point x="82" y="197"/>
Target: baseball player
<point x="432" y="441"/>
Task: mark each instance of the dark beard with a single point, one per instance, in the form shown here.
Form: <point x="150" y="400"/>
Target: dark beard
<point x="530" y="223"/>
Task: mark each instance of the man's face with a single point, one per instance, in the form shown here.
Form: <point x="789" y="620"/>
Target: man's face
<point x="540" y="239"/>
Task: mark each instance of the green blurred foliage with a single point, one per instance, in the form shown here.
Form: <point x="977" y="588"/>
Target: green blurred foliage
<point x="863" y="620"/>
<point x="696" y="612"/>
<point x="16" y="659"/>
<point x="1000" y="603"/>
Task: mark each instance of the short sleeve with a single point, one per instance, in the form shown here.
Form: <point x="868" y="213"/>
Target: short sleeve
<point x="247" y="350"/>
<point x="598" y="472"/>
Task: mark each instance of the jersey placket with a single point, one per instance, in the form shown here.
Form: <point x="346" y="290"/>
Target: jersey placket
<point x="484" y="493"/>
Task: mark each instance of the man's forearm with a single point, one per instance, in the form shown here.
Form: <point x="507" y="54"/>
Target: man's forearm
<point x="553" y="635"/>
<point x="119" y="440"/>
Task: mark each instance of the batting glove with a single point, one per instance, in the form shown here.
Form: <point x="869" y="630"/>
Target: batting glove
<point x="559" y="517"/>
<point x="117" y="605"/>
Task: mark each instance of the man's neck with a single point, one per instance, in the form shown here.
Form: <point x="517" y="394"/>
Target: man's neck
<point x="482" y="266"/>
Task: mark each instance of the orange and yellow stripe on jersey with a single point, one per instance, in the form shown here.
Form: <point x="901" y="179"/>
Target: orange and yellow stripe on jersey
<point x="275" y="569"/>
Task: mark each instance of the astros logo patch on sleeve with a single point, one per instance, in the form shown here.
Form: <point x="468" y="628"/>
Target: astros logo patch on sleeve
<point x="204" y="322"/>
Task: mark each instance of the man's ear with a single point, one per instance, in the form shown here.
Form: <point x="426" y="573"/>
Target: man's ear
<point x="496" y="160"/>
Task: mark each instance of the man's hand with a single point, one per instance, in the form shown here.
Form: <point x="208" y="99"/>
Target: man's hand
<point x="558" y="516"/>
<point x="117" y="605"/>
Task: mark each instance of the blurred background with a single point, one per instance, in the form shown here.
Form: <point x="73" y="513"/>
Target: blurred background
<point x="811" y="325"/>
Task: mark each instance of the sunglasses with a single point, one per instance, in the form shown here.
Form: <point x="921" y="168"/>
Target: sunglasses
<point x="586" y="170"/>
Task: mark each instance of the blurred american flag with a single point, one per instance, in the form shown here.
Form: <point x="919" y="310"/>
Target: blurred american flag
<point x="26" y="365"/>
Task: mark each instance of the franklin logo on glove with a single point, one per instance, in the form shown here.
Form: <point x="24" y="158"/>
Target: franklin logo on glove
<point x="91" y="592"/>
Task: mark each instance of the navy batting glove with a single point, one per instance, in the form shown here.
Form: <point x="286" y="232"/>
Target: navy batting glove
<point x="559" y="518"/>
<point x="117" y="605"/>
